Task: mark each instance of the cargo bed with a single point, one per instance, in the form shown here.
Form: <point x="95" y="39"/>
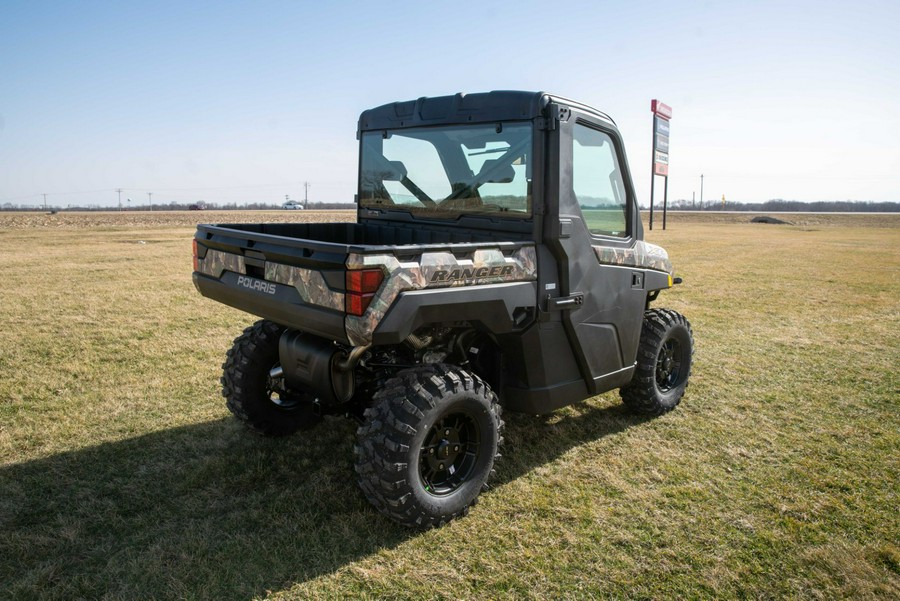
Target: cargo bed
<point x="294" y="273"/>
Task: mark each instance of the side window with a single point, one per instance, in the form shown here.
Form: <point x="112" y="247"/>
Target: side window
<point x="597" y="182"/>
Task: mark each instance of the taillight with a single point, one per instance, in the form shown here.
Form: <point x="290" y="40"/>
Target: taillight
<point x="196" y="259"/>
<point x="362" y="284"/>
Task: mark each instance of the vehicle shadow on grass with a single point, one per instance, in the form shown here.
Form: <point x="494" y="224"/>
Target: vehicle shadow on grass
<point x="212" y="511"/>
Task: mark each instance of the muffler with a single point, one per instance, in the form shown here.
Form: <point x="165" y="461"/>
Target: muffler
<point x="318" y="366"/>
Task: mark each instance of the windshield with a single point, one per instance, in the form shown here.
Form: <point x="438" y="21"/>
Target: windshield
<point x="448" y="171"/>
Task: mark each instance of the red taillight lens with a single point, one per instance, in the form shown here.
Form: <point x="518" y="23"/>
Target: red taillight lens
<point x="362" y="284"/>
<point x="364" y="280"/>
<point x="196" y="259"/>
<point x="356" y="304"/>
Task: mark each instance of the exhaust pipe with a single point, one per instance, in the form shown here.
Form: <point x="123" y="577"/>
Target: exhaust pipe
<point x="351" y="360"/>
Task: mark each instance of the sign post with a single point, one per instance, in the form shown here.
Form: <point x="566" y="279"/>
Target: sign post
<point x="662" y="113"/>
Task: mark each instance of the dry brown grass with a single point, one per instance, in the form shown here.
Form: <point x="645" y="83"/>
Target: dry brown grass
<point x="804" y="220"/>
<point x="122" y="475"/>
<point x="155" y="219"/>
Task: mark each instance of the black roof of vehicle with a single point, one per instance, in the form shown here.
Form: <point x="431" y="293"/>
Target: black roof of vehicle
<point x="502" y="105"/>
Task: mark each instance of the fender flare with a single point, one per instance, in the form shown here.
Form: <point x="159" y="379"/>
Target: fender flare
<point x="493" y="305"/>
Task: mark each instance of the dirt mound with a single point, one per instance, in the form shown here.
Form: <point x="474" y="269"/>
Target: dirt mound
<point x="767" y="219"/>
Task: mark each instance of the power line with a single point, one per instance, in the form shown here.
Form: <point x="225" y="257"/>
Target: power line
<point x="38" y="195"/>
<point x="118" y="191"/>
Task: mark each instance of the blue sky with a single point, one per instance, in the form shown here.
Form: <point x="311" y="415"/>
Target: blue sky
<point x="244" y="101"/>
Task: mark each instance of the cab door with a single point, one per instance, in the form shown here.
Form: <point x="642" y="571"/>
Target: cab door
<point x="602" y="302"/>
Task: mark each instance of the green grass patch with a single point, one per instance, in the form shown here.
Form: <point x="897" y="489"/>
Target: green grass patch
<point x="122" y="476"/>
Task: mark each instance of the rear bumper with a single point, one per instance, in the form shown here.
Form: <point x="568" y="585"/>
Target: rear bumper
<point x="277" y="302"/>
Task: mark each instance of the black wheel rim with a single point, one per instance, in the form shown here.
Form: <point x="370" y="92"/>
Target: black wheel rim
<point x="449" y="453"/>
<point x="669" y="365"/>
<point x="278" y="394"/>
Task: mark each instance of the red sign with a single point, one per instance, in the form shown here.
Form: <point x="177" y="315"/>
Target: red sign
<point x="661" y="109"/>
<point x="660" y="169"/>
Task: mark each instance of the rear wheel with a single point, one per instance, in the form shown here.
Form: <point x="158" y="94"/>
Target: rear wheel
<point x="428" y="445"/>
<point x="252" y="395"/>
<point x="663" y="363"/>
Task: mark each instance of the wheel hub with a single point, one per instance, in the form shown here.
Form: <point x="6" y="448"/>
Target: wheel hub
<point x="445" y="450"/>
<point x="668" y="365"/>
<point x="448" y="453"/>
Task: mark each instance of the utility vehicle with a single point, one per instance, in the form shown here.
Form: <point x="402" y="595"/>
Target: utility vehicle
<point x="497" y="260"/>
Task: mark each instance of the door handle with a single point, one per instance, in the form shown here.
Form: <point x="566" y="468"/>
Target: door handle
<point x="566" y="303"/>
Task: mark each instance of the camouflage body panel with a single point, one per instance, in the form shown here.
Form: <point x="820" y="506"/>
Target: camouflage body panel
<point x="215" y="262"/>
<point x="644" y="255"/>
<point x="434" y="270"/>
<point x="309" y="283"/>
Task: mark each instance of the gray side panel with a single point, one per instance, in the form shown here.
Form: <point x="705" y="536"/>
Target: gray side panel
<point x="541" y="372"/>
<point x="540" y="401"/>
<point x="655" y="280"/>
<point x="600" y="343"/>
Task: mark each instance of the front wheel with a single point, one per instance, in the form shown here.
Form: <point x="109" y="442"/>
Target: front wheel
<point x="663" y="363"/>
<point x="428" y="444"/>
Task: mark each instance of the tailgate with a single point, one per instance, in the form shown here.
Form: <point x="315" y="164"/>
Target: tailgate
<point x="295" y="282"/>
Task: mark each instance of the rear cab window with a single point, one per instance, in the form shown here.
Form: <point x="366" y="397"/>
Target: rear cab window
<point x="445" y="172"/>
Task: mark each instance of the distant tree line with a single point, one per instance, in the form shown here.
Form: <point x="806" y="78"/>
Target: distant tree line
<point x="791" y="206"/>
<point x="770" y="206"/>
<point x="177" y="206"/>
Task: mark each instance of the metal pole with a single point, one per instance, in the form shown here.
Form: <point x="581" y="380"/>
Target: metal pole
<point x="665" y="200"/>
<point x="150" y="199"/>
<point x="652" y="168"/>
<point x="701" y="191"/>
<point x="119" y="191"/>
<point x="45" y="201"/>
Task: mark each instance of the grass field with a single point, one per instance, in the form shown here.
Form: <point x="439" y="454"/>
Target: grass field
<point x="122" y="476"/>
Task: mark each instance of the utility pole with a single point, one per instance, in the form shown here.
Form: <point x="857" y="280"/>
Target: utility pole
<point x="693" y="200"/>
<point x="119" y="192"/>
<point x="701" y="191"/>
<point x="150" y="197"/>
<point x="45" y="201"/>
<point x="305" y="195"/>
